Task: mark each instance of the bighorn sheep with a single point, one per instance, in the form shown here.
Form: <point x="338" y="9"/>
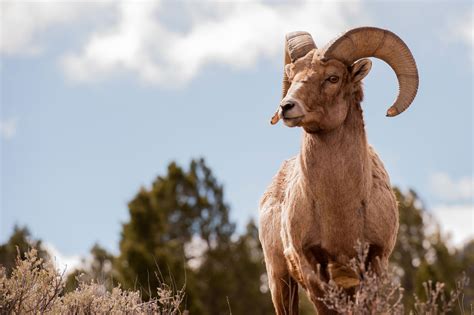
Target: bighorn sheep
<point x="336" y="190"/>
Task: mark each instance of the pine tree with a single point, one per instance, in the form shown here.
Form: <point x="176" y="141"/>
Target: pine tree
<point x="18" y="244"/>
<point x="232" y="277"/>
<point x="421" y="256"/>
<point x="179" y="207"/>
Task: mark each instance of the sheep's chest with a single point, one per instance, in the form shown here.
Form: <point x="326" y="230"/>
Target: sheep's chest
<point x="307" y="223"/>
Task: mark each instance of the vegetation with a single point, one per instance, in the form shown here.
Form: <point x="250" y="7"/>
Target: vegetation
<point x="180" y="251"/>
<point x="421" y="256"/>
<point x="18" y="244"/>
<point x="36" y="287"/>
<point x="383" y="294"/>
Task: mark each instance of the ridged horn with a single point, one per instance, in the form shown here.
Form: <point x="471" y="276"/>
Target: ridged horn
<point x="297" y="45"/>
<point x="365" y="42"/>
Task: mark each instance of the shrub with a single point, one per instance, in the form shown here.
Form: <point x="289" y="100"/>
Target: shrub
<point x="383" y="294"/>
<point x="35" y="286"/>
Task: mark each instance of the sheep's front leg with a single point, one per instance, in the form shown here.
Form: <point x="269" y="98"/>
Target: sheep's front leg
<point x="313" y="263"/>
<point x="284" y="290"/>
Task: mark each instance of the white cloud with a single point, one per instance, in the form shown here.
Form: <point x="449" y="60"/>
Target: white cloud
<point x="448" y="189"/>
<point x="236" y="34"/>
<point x="465" y="29"/>
<point x="8" y="128"/>
<point x="62" y="262"/>
<point x="23" y="23"/>
<point x="140" y="41"/>
<point x="455" y="213"/>
<point x="461" y="29"/>
<point x="456" y="221"/>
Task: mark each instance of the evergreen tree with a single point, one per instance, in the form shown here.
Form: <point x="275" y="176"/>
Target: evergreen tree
<point x="163" y="220"/>
<point x="466" y="260"/>
<point x="421" y="256"/>
<point x="232" y="277"/>
<point x="411" y="247"/>
<point x="19" y="243"/>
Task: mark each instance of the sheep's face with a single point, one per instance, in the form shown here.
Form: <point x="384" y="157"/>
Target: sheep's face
<point x="320" y="92"/>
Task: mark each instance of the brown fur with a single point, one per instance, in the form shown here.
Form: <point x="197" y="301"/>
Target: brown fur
<point x="335" y="192"/>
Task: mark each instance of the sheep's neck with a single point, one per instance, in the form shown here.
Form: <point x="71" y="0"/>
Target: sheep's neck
<point x="335" y="164"/>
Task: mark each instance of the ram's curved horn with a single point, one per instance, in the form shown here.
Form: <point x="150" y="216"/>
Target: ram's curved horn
<point x="297" y="45"/>
<point x="375" y="42"/>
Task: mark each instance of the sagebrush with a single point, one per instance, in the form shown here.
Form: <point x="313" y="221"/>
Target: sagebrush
<point x="382" y="293"/>
<point x="36" y="286"/>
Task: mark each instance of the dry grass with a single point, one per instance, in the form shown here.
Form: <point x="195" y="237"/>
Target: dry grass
<point x="382" y="294"/>
<point x="374" y="295"/>
<point x="437" y="302"/>
<point x="35" y="286"/>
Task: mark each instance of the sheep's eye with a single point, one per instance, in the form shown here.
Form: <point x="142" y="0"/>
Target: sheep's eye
<point x="333" y="79"/>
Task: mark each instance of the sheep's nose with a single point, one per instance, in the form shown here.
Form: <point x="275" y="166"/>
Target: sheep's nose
<point x="287" y="106"/>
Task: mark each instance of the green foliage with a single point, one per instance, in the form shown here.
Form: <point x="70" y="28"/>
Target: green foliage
<point x="466" y="261"/>
<point x="421" y="256"/>
<point x="411" y="248"/>
<point x="231" y="277"/>
<point x="183" y="208"/>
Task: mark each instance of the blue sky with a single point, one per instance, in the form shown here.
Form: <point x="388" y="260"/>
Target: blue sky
<point x="98" y="97"/>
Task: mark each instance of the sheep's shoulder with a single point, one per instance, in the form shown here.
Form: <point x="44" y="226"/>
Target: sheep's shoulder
<point x="276" y="190"/>
<point x="270" y="218"/>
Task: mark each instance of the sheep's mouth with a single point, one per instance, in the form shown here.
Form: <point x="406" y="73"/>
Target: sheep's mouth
<point x="292" y="121"/>
<point x="292" y="118"/>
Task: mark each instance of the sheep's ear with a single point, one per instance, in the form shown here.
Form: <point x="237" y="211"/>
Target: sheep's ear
<point x="360" y="69"/>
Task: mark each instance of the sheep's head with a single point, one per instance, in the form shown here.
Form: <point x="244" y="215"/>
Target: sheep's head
<point x="318" y="85"/>
<point x="320" y="90"/>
